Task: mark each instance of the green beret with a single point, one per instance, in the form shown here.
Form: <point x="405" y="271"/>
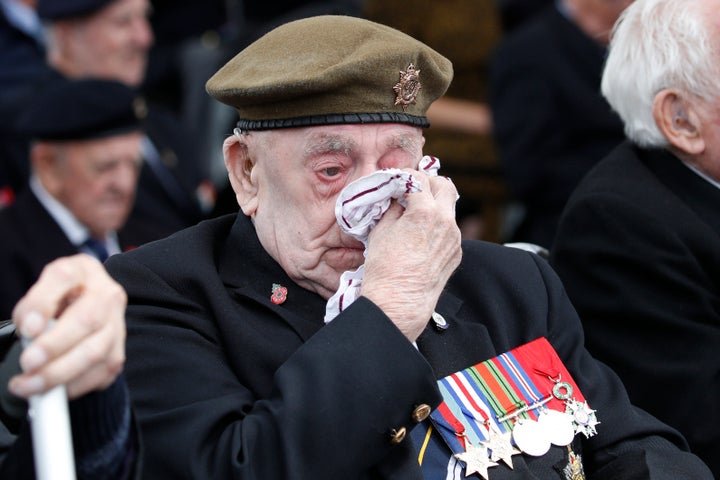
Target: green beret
<point x="332" y="70"/>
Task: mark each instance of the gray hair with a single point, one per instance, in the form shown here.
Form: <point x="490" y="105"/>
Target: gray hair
<point x="658" y="44"/>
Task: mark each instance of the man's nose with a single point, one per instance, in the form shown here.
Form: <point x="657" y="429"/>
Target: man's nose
<point x="368" y="168"/>
<point x="142" y="33"/>
<point x="125" y="179"/>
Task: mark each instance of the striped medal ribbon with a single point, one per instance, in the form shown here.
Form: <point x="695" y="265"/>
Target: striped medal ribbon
<point x="523" y="400"/>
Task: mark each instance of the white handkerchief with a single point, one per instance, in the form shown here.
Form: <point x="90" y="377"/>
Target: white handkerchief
<point x="359" y="207"/>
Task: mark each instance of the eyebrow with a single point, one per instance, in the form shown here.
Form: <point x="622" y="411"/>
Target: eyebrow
<point x="405" y="141"/>
<point x="329" y="143"/>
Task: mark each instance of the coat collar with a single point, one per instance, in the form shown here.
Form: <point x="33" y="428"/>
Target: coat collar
<point x="698" y="194"/>
<point x="247" y="270"/>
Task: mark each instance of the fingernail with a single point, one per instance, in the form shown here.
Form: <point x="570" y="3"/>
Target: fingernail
<point x="14" y="387"/>
<point x="32" y="325"/>
<point x="32" y="358"/>
<point x="26" y="387"/>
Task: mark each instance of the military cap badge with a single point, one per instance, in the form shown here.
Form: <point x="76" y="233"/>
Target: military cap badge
<point x="408" y="87"/>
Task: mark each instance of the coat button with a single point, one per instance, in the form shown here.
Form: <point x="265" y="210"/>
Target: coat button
<point x="397" y="436"/>
<point x="421" y="412"/>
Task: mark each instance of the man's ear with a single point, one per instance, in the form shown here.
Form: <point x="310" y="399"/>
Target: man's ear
<point x="44" y="162"/>
<point x="239" y="166"/>
<point x="678" y="121"/>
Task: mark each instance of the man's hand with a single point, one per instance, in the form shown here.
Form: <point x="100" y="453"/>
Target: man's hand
<point x="412" y="253"/>
<point x="85" y="348"/>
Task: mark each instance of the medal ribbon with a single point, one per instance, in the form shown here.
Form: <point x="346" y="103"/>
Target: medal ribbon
<point x="515" y="381"/>
<point x="545" y="368"/>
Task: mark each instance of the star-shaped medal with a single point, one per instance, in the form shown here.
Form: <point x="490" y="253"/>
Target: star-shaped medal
<point x="500" y="446"/>
<point x="476" y="460"/>
<point x="583" y="416"/>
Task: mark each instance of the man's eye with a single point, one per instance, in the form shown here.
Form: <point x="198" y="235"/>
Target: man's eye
<point x="331" y="171"/>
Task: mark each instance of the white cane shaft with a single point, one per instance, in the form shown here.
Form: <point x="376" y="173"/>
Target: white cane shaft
<point x="51" y="435"/>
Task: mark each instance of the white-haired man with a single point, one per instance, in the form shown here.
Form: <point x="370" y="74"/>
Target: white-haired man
<point x="639" y="243"/>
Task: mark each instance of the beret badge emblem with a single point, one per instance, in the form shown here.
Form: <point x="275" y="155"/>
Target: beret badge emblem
<point x="408" y="87"/>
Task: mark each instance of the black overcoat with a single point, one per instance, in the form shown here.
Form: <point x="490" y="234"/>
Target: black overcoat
<point x="639" y="251"/>
<point x="227" y="384"/>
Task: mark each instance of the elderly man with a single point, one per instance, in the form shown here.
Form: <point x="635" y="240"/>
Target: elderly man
<point x="638" y="243"/>
<point x="85" y="159"/>
<point x="252" y="353"/>
<point x="89" y="308"/>
<point x="98" y="38"/>
<point x="110" y="39"/>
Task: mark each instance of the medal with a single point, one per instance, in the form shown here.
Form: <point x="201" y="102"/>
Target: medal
<point x="530" y="437"/>
<point x="558" y="427"/>
<point x="500" y="446"/>
<point x="522" y="401"/>
<point x="574" y="469"/>
<point x="476" y="460"/>
<point x="583" y="417"/>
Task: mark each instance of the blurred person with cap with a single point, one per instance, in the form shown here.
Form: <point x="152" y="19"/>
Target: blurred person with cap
<point x="639" y="242"/>
<point x="88" y="308"/>
<point x="106" y="39"/>
<point x="110" y="39"/>
<point x="275" y="344"/>
<point x="85" y="160"/>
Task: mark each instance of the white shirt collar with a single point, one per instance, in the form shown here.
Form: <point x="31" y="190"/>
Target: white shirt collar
<point x="23" y="18"/>
<point x="715" y="183"/>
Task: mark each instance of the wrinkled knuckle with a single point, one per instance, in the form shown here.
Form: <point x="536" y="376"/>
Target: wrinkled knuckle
<point x="94" y="354"/>
<point x="90" y="321"/>
<point x="117" y="294"/>
<point x="61" y="270"/>
<point x="112" y="370"/>
<point x="115" y="364"/>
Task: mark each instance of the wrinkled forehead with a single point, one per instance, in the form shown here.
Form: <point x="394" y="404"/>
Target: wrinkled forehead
<point x="344" y="138"/>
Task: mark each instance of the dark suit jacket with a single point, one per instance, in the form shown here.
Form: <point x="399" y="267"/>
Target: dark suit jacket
<point x="167" y="202"/>
<point x="30" y="239"/>
<point x="23" y="60"/>
<point x="550" y="121"/>
<point x="227" y="384"/>
<point x="639" y="251"/>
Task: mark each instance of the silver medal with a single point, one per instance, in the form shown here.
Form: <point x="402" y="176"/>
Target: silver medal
<point x="583" y="416"/>
<point x="500" y="446"/>
<point x="558" y="427"/>
<point x="530" y="437"/>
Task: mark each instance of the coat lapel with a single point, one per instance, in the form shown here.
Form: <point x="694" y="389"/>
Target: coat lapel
<point x="459" y="346"/>
<point x="248" y="271"/>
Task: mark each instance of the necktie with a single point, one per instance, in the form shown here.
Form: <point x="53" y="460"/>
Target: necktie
<point x="97" y="248"/>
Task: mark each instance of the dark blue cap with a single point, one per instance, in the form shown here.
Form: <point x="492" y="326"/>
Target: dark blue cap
<point x="82" y="109"/>
<point x="57" y="9"/>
